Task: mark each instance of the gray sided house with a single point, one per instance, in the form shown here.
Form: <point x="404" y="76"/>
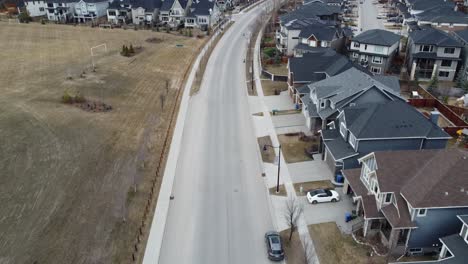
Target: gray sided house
<point x="119" y="12"/>
<point x="445" y="18"/>
<point x="320" y="36"/>
<point x="432" y="53"/>
<point x="314" y="67"/>
<point x="410" y="199"/>
<point x="145" y="12"/>
<point x="292" y="23"/>
<point x="375" y="49"/>
<point x="454" y="247"/>
<point x="172" y="12"/>
<point x="365" y="128"/>
<point x="203" y="14"/>
<point x="462" y="37"/>
<point x="353" y="86"/>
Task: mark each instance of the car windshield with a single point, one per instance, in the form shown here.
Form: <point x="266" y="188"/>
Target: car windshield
<point x="275" y="240"/>
<point x="277" y="252"/>
<point x="328" y="193"/>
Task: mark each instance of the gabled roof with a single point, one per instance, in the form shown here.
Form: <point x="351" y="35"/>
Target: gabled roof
<point x="462" y="34"/>
<point x="442" y="14"/>
<point x="432" y="36"/>
<point x="377" y="37"/>
<point x="321" y="32"/>
<point x="393" y="119"/>
<point x="148" y="5"/>
<point x="427" y="4"/>
<point x="167" y="5"/>
<point x="310" y="10"/>
<point x="202" y="7"/>
<point x="313" y="67"/>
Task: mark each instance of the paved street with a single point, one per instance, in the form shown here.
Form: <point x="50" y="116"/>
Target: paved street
<point x="368" y="16"/>
<point x="220" y="211"/>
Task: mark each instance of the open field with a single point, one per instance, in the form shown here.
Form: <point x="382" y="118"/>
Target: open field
<point x="67" y="175"/>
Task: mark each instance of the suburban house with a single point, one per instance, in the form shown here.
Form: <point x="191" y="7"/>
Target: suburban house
<point x="353" y="86"/>
<point x="145" y="12"/>
<point x="36" y="8"/>
<point x="314" y="67"/>
<point x="374" y="49"/>
<point x="292" y="23"/>
<point x="419" y="6"/>
<point x="173" y="12"/>
<point x="90" y="10"/>
<point x="462" y="37"/>
<point x="364" y="128"/>
<point x="120" y="12"/>
<point x="320" y="36"/>
<point x="203" y="14"/>
<point x="410" y="199"/>
<point x="432" y="52"/>
<point x="454" y="247"/>
<point x="443" y="17"/>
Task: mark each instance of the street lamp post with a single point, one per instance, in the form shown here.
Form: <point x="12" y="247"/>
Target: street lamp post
<point x="279" y="163"/>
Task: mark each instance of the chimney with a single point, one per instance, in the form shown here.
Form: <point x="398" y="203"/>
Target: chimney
<point x="434" y="117"/>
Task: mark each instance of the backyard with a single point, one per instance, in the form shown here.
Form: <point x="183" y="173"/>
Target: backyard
<point x="68" y="173"/>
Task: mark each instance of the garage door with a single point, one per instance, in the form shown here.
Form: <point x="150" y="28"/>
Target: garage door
<point x="330" y="161"/>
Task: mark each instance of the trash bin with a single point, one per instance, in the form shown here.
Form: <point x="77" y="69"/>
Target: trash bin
<point x="348" y="217"/>
<point x="274" y="111"/>
<point x="298" y="106"/>
<point x="339" y="178"/>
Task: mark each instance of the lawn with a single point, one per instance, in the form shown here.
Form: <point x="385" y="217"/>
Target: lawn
<point x="273" y="88"/>
<point x="268" y="155"/>
<point x="293" y="250"/>
<point x="277" y="69"/>
<point x="293" y="149"/>
<point x="333" y="247"/>
<point x="68" y="174"/>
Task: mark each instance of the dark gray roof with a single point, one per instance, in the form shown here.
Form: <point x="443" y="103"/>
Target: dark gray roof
<point x="202" y="7"/>
<point x="464" y="219"/>
<point x="394" y="119"/>
<point x="432" y="36"/>
<point x="432" y="55"/>
<point x="311" y="107"/>
<point x="339" y="148"/>
<point x="427" y="4"/>
<point x="390" y="81"/>
<point x="442" y="14"/>
<point x="377" y="37"/>
<point x="312" y="66"/>
<point x="321" y="32"/>
<point x="310" y="10"/>
<point x="146" y="4"/>
<point x="462" y="35"/>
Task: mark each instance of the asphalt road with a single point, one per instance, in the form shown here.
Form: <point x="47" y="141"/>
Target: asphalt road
<point x="368" y="16"/>
<point x="220" y="211"/>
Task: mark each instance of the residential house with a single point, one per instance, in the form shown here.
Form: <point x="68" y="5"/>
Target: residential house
<point x="454" y="247"/>
<point x="146" y="12"/>
<point x="173" y="12"/>
<point x="375" y="49"/>
<point x="443" y="17"/>
<point x="353" y="86"/>
<point x="432" y="52"/>
<point x="36" y="8"/>
<point x="90" y="10"/>
<point x="203" y="14"/>
<point x="320" y="35"/>
<point x="409" y="199"/>
<point x="61" y="10"/>
<point x="292" y="23"/>
<point x="314" y="67"/>
<point x="120" y="12"/>
<point x="420" y="6"/>
<point x="462" y="37"/>
<point x="364" y="128"/>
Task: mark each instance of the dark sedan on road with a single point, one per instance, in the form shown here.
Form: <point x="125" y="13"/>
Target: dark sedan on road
<point x="274" y="246"/>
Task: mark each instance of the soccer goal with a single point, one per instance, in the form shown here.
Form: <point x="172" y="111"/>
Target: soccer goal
<point x="97" y="50"/>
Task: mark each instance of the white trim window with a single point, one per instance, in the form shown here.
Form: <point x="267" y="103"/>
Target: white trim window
<point x="355" y="55"/>
<point x="377" y="59"/>
<point x="343" y="130"/>
<point x="356" y="44"/>
<point x="376" y="70"/>
<point x="422" y="212"/>
<point x="352" y="140"/>
<point x="388" y="198"/>
<point x="378" y="49"/>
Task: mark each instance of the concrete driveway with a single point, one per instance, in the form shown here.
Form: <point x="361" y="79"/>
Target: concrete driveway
<point x="314" y="170"/>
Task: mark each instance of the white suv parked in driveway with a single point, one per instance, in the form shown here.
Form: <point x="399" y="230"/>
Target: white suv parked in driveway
<point x="322" y="196"/>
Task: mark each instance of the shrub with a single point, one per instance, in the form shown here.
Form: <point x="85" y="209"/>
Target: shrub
<point x="66" y="98"/>
<point x="131" y="50"/>
<point x="269" y="52"/>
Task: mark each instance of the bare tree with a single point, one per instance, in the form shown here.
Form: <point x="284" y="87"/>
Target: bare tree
<point x="162" y="98"/>
<point x="309" y="250"/>
<point x="293" y="211"/>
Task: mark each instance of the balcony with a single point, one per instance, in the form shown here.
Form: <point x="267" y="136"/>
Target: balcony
<point x="364" y="63"/>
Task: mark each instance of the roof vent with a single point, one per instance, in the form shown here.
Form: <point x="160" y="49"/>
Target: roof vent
<point x="446" y="193"/>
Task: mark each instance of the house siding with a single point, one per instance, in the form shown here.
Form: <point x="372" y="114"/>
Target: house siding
<point x="437" y="223"/>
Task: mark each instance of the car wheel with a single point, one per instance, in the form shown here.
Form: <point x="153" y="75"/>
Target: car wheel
<point x="333" y="200"/>
<point x="314" y="202"/>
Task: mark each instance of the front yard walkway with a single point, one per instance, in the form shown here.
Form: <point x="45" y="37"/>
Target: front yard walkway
<point x="279" y="102"/>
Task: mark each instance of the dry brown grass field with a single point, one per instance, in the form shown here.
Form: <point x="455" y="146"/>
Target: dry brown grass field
<point x="66" y="175"/>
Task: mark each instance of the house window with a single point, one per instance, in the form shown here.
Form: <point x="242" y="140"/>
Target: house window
<point x="377" y="59"/>
<point x="422" y="212"/>
<point x="352" y="140"/>
<point x="426" y="48"/>
<point x="41" y="9"/>
<point x="449" y="50"/>
<point x="446" y="63"/>
<point x="388" y="198"/>
<point x="355" y="55"/>
<point x="313" y="43"/>
<point x="444" y="74"/>
<point x="322" y="104"/>
<point x="343" y="130"/>
<point x="324" y="44"/>
<point x="111" y="13"/>
<point x="356" y="44"/>
<point x="365" y="47"/>
<point x="378" y="49"/>
<point x="376" y="70"/>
